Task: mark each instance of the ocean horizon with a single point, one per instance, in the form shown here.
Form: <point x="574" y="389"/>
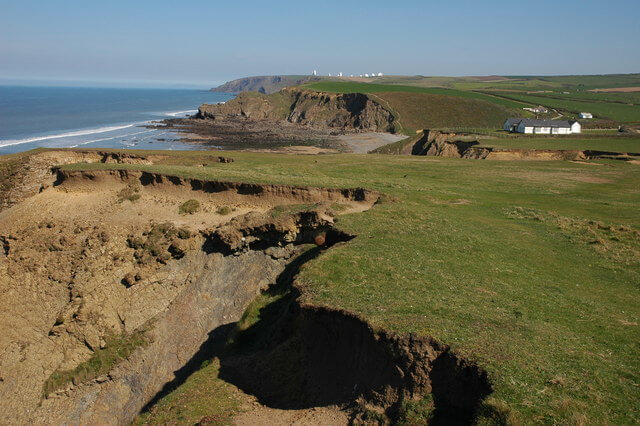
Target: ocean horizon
<point x="65" y="117"/>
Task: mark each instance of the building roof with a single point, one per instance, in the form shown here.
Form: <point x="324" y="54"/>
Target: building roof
<point x="530" y="122"/>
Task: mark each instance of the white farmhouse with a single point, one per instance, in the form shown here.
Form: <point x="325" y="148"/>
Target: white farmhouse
<point x="538" y="110"/>
<point x="541" y="127"/>
<point x="585" y="115"/>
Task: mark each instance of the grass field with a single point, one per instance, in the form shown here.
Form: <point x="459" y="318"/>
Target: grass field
<point x="613" y="144"/>
<point x="530" y="268"/>
<point x="520" y="83"/>
<point x="600" y="109"/>
<point x="421" y="108"/>
<point x="352" y="87"/>
<point x="568" y="94"/>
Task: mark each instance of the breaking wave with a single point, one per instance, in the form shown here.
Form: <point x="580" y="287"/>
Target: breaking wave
<point x="8" y="142"/>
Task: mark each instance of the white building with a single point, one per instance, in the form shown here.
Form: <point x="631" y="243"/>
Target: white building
<point x="379" y="74"/>
<point x="315" y="72"/>
<point x="586" y="115"/>
<point x="537" y="110"/>
<point x="541" y="127"/>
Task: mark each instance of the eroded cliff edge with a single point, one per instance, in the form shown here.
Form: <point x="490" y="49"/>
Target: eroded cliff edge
<point x="80" y="265"/>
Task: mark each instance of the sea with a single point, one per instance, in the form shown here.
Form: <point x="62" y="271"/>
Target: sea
<point x="56" y="117"/>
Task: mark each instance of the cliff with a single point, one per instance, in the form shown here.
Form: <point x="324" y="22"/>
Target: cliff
<point x="264" y="84"/>
<point x="349" y="111"/>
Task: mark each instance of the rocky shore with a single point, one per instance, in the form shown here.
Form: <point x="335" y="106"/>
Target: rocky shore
<point x="290" y="118"/>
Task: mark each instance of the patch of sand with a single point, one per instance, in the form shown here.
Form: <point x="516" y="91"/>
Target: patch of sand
<point x="361" y="143"/>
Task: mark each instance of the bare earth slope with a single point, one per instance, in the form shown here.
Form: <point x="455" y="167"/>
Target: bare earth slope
<point x="84" y="261"/>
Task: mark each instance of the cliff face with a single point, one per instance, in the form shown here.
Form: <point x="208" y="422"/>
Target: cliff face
<point x="264" y="84"/>
<point x="353" y="111"/>
<point x="81" y="267"/>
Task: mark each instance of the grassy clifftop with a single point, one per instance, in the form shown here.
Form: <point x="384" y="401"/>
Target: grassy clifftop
<point x="264" y="84"/>
<point x="528" y="268"/>
<point x="421" y="108"/>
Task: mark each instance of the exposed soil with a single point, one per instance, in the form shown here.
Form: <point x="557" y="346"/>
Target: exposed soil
<point x="439" y="144"/>
<point x="34" y="172"/>
<point x="263" y="415"/>
<point x="71" y="250"/>
<point x="83" y="260"/>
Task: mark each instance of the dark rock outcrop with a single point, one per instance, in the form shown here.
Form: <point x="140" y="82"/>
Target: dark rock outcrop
<point x="348" y="111"/>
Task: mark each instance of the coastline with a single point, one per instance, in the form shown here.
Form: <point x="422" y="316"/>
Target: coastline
<point x="54" y="117"/>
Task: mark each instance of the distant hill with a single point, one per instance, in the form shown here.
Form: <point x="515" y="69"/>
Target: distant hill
<point x="265" y="84"/>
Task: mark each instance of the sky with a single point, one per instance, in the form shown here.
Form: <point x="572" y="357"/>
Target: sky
<point x="204" y="43"/>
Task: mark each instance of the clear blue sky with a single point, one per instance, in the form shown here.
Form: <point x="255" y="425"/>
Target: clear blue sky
<point x="206" y="42"/>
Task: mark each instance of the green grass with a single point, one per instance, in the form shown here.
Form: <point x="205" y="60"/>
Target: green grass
<point x="131" y="192"/>
<point x="577" y="142"/>
<point x="224" y="210"/>
<point x="606" y="110"/>
<point x="418" y="108"/>
<point x="189" y="207"/>
<point x="353" y="87"/>
<point x="532" y="269"/>
<point x="521" y="83"/>
<point x="512" y="93"/>
<point x="416" y="111"/>
<point x="203" y="395"/>
<point x="101" y="362"/>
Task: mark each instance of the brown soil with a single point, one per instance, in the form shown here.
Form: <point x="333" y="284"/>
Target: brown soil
<point x="79" y="264"/>
<point x="72" y="275"/>
<point x="35" y="174"/>
<point x="259" y="414"/>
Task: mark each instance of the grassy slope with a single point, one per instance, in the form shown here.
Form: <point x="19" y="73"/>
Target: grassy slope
<point x="352" y="87"/>
<point x="512" y="263"/>
<point x="567" y="82"/>
<point x="513" y="94"/>
<point x="613" y="144"/>
<point x="419" y="108"/>
<point x="601" y="109"/>
<point x="197" y="398"/>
